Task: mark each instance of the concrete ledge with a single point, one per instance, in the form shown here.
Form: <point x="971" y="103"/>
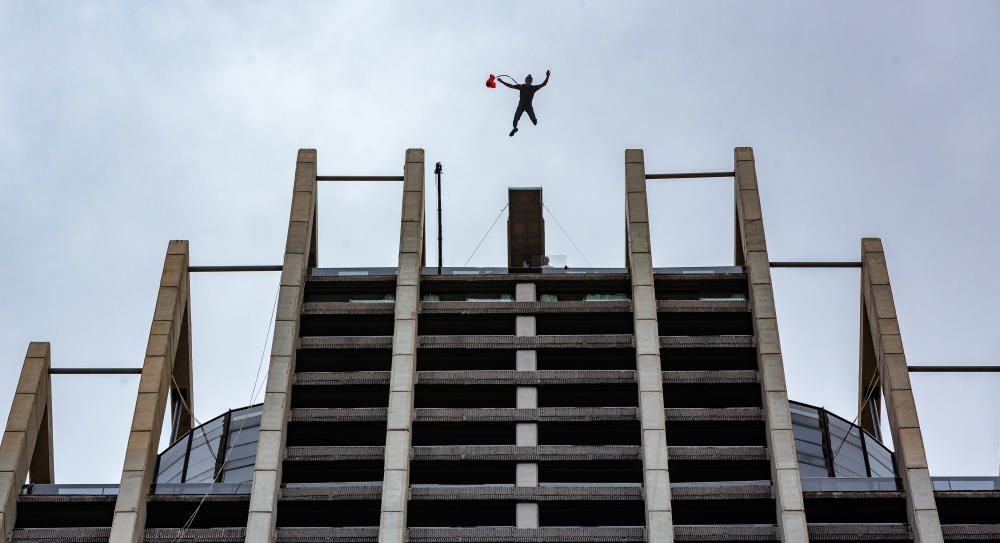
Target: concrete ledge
<point x="713" y="377"/>
<point x="600" y="534"/>
<point x="857" y="532"/>
<point x="702" y="306"/>
<point x="725" y="532"/>
<point x="704" y="342"/>
<point x="62" y="535"/>
<point x="971" y="532"/>
<point x="328" y="535"/>
<point x="207" y="535"/>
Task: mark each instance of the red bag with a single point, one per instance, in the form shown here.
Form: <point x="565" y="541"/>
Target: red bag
<point x="491" y="82"/>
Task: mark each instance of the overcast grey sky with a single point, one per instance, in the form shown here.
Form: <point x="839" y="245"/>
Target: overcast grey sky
<point x="122" y="128"/>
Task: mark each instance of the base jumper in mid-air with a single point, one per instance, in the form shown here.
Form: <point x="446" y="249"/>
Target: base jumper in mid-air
<point x="527" y="91"/>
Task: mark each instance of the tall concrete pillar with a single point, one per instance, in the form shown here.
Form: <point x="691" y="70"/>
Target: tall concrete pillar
<point x="166" y="364"/>
<point x="656" y="477"/>
<point x="777" y="418"/>
<point x="26" y="446"/>
<point x="299" y="256"/>
<point x="403" y="375"/>
<point x="527" y="398"/>
<point x="884" y="359"/>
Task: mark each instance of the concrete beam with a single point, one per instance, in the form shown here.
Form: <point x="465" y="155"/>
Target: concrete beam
<point x="26" y="446"/>
<point x="168" y="354"/>
<point x="403" y="375"/>
<point x="300" y="254"/>
<point x="883" y="359"/>
<point x="751" y="252"/>
<point x="656" y="476"/>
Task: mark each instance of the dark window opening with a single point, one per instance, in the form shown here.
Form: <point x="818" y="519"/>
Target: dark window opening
<point x="592" y="513"/>
<point x="340" y="396"/>
<point x="463" y="433"/>
<point x="350" y="291"/>
<point x="65" y="514"/>
<point x="727" y="289"/>
<point x="566" y="324"/>
<point x="855" y="510"/>
<point x="466" y="513"/>
<point x="339" y="513"/>
<point x="462" y="473"/>
<point x="465" y="396"/>
<point x="589" y="433"/>
<point x="433" y="324"/>
<point x="332" y="360"/>
<point x="336" y="433"/>
<point x="708" y="359"/>
<point x="342" y="471"/>
<point x="212" y="514"/>
<point x="692" y="471"/>
<point x="705" y="324"/>
<point x="586" y="359"/>
<point x="706" y="433"/>
<point x="711" y="395"/>
<point x="761" y="511"/>
<point x="609" y="395"/>
<point x="465" y="359"/>
<point x="346" y="325"/>
<point x="598" y="471"/>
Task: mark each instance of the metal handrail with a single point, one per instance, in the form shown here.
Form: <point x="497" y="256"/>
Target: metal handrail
<point x="359" y="177"/>
<point x="693" y="175"/>
<point x="195" y="269"/>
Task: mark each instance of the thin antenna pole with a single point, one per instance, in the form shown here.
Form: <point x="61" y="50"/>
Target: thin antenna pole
<point x="437" y="171"/>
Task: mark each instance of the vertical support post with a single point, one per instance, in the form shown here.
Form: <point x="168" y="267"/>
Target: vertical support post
<point x="777" y="417"/>
<point x="300" y="254"/>
<point x="878" y="313"/>
<point x="167" y="357"/>
<point x="527" y="398"/>
<point x="656" y="477"/>
<point x="26" y="446"/>
<point x="869" y="382"/>
<point x="403" y="375"/>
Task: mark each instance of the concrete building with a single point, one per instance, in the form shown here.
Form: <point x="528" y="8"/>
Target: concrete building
<point x="512" y="404"/>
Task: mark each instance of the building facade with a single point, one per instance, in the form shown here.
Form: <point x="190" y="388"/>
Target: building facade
<point x="507" y="405"/>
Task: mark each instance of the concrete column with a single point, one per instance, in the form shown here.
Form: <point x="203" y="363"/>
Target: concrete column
<point x="26" y="446"/>
<point x="167" y="358"/>
<point x="527" y="398"/>
<point x="403" y="376"/>
<point x="299" y="256"/>
<point x="777" y="418"/>
<point x="656" y="477"/>
<point x="878" y="314"/>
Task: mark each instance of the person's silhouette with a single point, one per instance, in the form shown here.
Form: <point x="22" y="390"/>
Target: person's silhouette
<point x="527" y="91"/>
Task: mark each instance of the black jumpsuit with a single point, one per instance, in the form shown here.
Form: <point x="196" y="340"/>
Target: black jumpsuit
<point x="524" y="104"/>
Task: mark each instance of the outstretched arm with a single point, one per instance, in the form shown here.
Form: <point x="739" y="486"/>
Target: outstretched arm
<point x="546" y="82"/>
<point x="506" y="84"/>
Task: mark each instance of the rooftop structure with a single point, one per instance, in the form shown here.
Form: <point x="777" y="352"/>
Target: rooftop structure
<point x="516" y="404"/>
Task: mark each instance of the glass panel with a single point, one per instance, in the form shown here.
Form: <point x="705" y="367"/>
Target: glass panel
<point x="172" y="462"/>
<point x="238" y="475"/>
<point x="371" y="298"/>
<point x="845" y="442"/>
<point x="966" y="483"/>
<point x="879" y="458"/>
<point x="241" y="450"/>
<point x="847" y="484"/>
<point x="204" y="450"/>
<point x="808" y="441"/>
<point x="489" y="298"/>
<point x="605" y="297"/>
